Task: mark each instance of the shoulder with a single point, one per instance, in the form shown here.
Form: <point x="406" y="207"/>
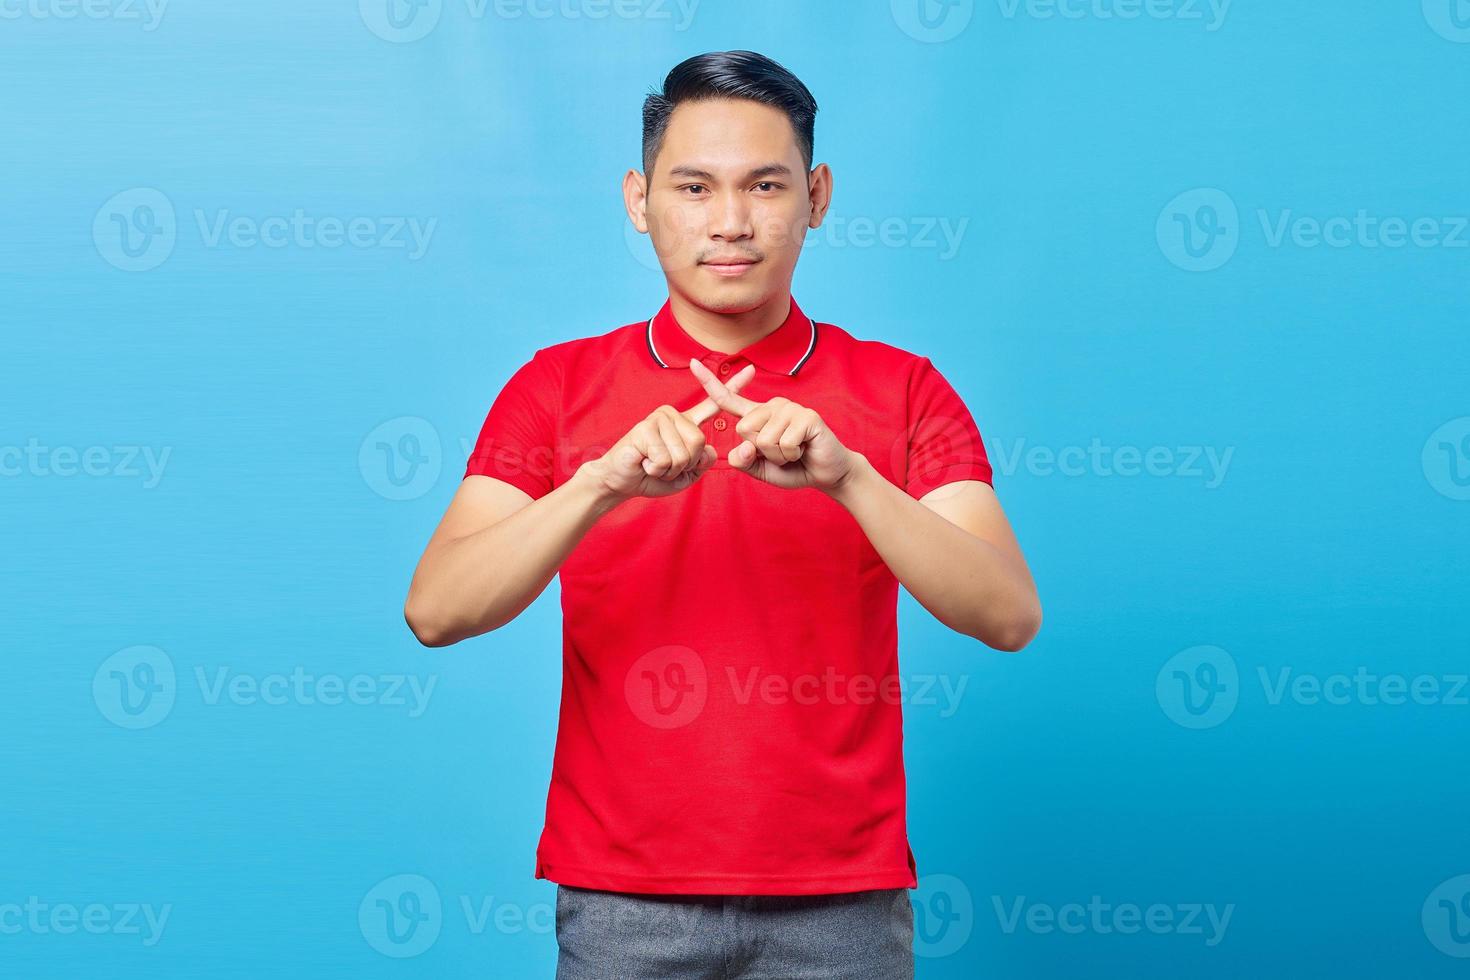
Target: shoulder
<point x="597" y="348"/>
<point x="891" y="359"/>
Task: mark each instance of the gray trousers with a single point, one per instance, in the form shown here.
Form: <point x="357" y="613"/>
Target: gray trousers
<point x="606" y="935"/>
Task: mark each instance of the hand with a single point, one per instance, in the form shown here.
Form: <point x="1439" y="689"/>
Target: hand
<point x="666" y="452"/>
<point x="786" y="445"/>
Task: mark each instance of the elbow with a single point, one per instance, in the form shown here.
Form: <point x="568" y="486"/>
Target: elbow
<point x="426" y="629"/>
<point x="1017" y="632"/>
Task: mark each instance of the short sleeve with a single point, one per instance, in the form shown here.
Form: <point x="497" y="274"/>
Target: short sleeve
<point x="517" y="441"/>
<point x="944" y="444"/>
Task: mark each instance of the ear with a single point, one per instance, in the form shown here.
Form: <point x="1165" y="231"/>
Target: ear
<point x="820" y="189"/>
<point x="635" y="199"/>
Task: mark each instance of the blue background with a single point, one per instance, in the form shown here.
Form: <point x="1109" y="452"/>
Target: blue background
<point x="1068" y="313"/>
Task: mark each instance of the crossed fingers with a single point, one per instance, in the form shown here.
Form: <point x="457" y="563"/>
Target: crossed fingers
<point x="709" y="408"/>
<point x="775" y="431"/>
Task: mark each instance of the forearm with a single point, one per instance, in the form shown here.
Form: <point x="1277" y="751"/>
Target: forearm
<point x="966" y="582"/>
<point x="478" y="582"/>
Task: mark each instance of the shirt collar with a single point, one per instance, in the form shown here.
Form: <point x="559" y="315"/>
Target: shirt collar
<point x="782" y="351"/>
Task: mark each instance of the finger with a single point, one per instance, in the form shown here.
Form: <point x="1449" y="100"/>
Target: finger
<point x="744" y="456"/>
<point x="679" y="456"/>
<point x="692" y="435"/>
<point x="701" y="466"/>
<point x="754" y="421"/>
<point x="792" y="442"/>
<point x="722" y="396"/>
<point x="707" y="409"/>
<point x="656" y="459"/>
<point x="768" y="439"/>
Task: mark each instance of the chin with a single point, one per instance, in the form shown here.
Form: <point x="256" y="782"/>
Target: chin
<point x="733" y="297"/>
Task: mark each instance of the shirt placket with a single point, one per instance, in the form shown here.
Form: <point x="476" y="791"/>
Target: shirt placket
<point x="719" y="431"/>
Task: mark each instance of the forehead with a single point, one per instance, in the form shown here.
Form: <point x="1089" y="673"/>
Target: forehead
<point x="727" y="134"/>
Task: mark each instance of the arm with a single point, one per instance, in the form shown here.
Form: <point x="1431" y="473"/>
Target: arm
<point x="494" y="552"/>
<point x="497" y="548"/>
<point x="954" y="551"/>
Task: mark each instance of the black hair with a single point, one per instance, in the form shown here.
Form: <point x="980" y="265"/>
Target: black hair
<point x="729" y="75"/>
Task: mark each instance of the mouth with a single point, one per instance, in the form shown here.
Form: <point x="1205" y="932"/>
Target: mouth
<point x="730" y="268"/>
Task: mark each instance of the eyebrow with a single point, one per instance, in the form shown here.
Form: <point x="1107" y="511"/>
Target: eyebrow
<point x="769" y="170"/>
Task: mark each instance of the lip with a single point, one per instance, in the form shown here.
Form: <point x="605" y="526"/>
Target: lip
<point x="730" y="269"/>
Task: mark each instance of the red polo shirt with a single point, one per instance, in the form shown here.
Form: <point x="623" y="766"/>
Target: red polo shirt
<point x="731" y="715"/>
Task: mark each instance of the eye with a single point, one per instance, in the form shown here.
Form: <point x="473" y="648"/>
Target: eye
<point x="767" y="185"/>
<point x="692" y="188"/>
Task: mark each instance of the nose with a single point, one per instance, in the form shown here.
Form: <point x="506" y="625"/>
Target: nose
<point x="729" y="218"/>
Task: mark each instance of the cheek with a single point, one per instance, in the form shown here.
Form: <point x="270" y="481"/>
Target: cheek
<point x="781" y="229"/>
<point x="676" y="229"/>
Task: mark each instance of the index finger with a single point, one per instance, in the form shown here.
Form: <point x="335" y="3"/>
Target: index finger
<point x="721" y="394"/>
<point x="708" y="409"/>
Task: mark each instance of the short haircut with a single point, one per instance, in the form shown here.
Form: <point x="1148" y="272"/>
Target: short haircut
<point x="729" y="75"/>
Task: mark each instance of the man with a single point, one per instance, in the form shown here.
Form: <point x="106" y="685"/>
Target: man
<point x="731" y="492"/>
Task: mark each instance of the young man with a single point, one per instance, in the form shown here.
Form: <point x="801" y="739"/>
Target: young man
<point x="732" y="493"/>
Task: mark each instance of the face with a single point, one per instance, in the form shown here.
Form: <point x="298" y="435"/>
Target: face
<point x="728" y="203"/>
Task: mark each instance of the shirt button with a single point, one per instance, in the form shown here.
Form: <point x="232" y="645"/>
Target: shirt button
<point x="725" y="368"/>
<point x="720" y="424"/>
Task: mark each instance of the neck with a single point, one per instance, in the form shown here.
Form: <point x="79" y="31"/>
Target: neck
<point x="730" y="333"/>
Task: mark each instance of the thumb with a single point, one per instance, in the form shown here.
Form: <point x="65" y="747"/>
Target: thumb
<point x="743" y="456"/>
